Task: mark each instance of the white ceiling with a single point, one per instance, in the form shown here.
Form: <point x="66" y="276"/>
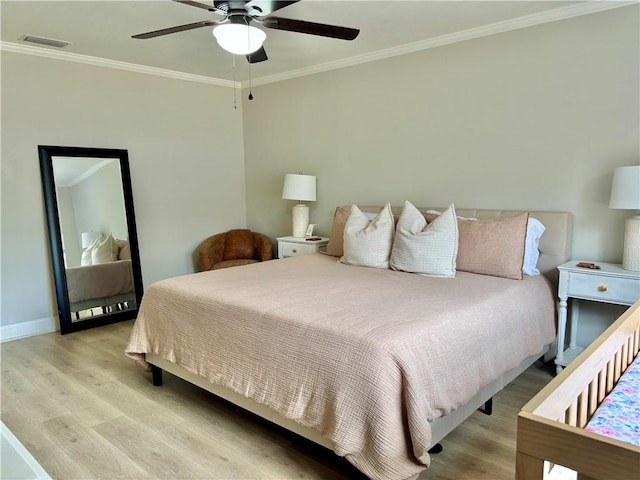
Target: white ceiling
<point x="103" y="29"/>
<point x="68" y="171"/>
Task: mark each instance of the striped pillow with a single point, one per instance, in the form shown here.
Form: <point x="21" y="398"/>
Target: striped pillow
<point x="367" y="243"/>
<point x="426" y="249"/>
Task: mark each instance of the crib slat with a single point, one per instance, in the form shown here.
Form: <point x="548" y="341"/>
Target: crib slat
<point x="583" y="407"/>
<point x="602" y="384"/>
<point x="572" y="413"/>
<point x="610" y="373"/>
<point x="593" y="396"/>
<point x="625" y="356"/>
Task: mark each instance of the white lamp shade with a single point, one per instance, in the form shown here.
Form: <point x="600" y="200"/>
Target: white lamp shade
<point x="625" y="190"/>
<point x="88" y="238"/>
<point x="299" y="187"/>
<point x="238" y="38"/>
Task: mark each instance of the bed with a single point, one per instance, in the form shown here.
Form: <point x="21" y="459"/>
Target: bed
<point x="100" y="285"/>
<point x="375" y="364"/>
<point x="553" y="426"/>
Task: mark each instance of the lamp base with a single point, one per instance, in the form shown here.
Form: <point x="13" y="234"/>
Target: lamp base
<point x="300" y="220"/>
<point x="631" y="253"/>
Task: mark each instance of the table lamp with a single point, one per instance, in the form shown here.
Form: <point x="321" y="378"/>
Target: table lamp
<point x="625" y="194"/>
<point x="301" y="188"/>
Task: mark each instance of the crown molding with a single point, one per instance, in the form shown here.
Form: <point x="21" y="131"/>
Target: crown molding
<point x="103" y="62"/>
<point x="562" y="13"/>
<point x="557" y="14"/>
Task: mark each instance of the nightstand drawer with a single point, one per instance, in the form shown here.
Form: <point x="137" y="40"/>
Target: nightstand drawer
<point x="294" y="249"/>
<point x="605" y="289"/>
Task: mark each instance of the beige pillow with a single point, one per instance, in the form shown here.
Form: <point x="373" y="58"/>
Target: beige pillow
<point x="105" y="252"/>
<point x="368" y="243"/>
<point x="427" y="249"/>
<point x="125" y="252"/>
<point x="86" y="254"/>
<point x="334" y="247"/>
<point x="493" y="247"/>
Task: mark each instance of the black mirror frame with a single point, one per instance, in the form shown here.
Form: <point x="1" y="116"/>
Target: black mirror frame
<point x="46" y="154"/>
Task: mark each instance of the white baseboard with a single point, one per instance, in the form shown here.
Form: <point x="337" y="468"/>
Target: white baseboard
<point x="17" y="462"/>
<point x="27" y="329"/>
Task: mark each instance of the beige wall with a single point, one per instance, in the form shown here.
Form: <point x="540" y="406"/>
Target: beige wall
<point x="530" y="119"/>
<point x="185" y="151"/>
<point x="536" y="118"/>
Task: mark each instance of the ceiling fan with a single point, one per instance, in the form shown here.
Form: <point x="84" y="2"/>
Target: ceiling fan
<point x="235" y="34"/>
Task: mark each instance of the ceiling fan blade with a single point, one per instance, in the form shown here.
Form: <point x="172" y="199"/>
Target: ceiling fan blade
<point x="302" y="26"/>
<point x="178" y="28"/>
<point x="265" y="7"/>
<point x="258" y="56"/>
<point x="196" y="4"/>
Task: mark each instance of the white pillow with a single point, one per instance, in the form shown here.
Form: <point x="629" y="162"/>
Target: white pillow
<point x="427" y="249"/>
<point x="368" y="243"/>
<point x="86" y="255"/>
<point x="105" y="252"/>
<point x="535" y="229"/>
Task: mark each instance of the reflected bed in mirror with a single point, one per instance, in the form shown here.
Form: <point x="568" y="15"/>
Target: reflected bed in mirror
<point x="92" y="235"/>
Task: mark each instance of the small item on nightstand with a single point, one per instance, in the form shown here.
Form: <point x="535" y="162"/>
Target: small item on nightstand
<point x="590" y="265"/>
<point x="313" y="239"/>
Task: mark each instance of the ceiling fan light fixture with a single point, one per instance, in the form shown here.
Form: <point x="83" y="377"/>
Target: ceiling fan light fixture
<point x="238" y="38"/>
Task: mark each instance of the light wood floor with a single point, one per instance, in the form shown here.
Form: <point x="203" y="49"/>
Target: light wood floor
<point x="85" y="411"/>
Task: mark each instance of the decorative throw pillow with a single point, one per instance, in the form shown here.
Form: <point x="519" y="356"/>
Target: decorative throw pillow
<point x="535" y="229"/>
<point x="368" y="243"/>
<point x="493" y="247"/>
<point x="105" y="252"/>
<point x="238" y="244"/>
<point x="86" y="254"/>
<point x="334" y="247"/>
<point x="427" y="249"/>
<point x="125" y="252"/>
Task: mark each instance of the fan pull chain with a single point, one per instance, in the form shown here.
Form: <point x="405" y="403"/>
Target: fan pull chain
<point x="233" y="69"/>
<point x="250" y="97"/>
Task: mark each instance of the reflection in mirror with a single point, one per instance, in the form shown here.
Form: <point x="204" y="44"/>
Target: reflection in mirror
<point x="92" y="235"/>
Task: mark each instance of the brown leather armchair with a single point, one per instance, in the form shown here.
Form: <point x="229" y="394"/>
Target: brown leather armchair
<point x="233" y="248"/>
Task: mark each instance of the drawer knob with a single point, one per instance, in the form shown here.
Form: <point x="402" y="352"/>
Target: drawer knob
<point x="295" y="250"/>
<point x="603" y="288"/>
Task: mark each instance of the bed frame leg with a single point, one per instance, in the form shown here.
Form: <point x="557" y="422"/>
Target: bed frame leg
<point x="156" y="375"/>
<point x="488" y="407"/>
<point x="437" y="448"/>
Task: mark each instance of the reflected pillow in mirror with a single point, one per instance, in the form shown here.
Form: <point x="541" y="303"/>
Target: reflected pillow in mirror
<point x="124" y="250"/>
<point x="106" y="252"/>
<point x="86" y="255"/>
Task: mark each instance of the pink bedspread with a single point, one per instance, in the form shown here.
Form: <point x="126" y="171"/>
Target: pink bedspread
<point x="366" y="357"/>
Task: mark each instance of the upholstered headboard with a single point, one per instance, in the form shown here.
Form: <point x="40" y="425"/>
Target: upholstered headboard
<point x="555" y="244"/>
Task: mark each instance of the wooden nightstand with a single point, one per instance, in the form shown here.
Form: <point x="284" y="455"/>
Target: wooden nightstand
<point x="294" y="246"/>
<point x="610" y="284"/>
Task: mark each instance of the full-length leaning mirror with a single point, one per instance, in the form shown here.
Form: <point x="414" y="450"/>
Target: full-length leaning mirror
<point x="92" y="235"/>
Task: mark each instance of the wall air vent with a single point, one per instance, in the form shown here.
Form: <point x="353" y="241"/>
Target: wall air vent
<point x="50" y="42"/>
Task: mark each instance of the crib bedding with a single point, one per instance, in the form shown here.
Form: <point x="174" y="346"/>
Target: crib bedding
<point x="367" y="357"/>
<point x="618" y="416"/>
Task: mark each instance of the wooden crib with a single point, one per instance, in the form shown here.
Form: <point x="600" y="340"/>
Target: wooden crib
<point x="551" y="426"/>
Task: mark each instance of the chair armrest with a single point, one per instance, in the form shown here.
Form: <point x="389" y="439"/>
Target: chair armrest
<point x="211" y="251"/>
<point x="263" y="247"/>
